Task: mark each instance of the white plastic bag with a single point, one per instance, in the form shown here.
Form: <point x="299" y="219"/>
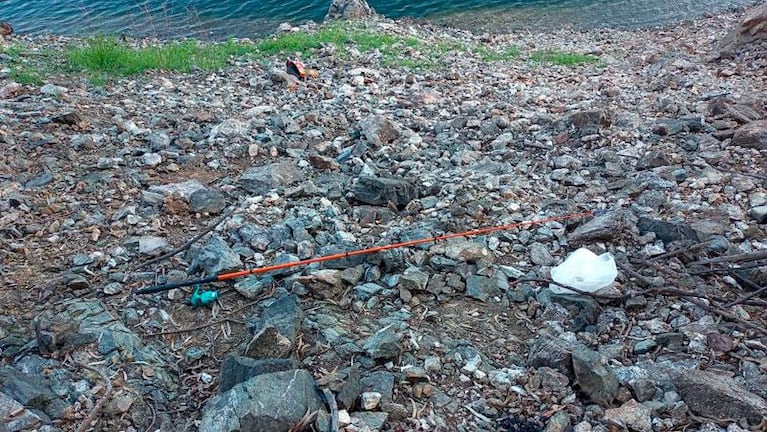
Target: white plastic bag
<point x="585" y="271"/>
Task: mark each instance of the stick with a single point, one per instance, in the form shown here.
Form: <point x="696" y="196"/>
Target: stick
<point x="199" y="327"/>
<point x="194" y="239"/>
<point x="751" y="256"/>
<point x="86" y="424"/>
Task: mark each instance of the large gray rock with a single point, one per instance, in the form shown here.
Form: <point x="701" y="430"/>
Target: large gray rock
<point x="717" y="396"/>
<point x="260" y="180"/>
<point x="382" y="191"/>
<point x="751" y="135"/>
<point x="482" y="287"/>
<point x="379" y="130"/>
<point x="349" y="10"/>
<point x="595" y="379"/>
<point x="237" y="369"/>
<point x="214" y="257"/>
<point x="276" y="329"/>
<point x="382" y="345"/>
<point x="269" y="402"/>
<point x="602" y="227"/>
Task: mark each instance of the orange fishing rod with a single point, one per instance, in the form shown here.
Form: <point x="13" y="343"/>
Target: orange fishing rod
<point x="260" y="270"/>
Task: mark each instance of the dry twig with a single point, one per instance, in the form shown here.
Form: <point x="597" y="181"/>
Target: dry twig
<point x="194" y="239"/>
<point x="86" y="424"/>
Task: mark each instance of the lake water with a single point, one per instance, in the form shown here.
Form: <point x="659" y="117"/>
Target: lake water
<point x="217" y="19"/>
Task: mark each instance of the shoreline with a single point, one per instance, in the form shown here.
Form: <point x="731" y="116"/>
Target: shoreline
<point x="404" y="129"/>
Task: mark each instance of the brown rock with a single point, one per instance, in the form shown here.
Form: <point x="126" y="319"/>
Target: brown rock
<point x="349" y="10"/>
<point x="717" y="396"/>
<point x="752" y="28"/>
<point x="5" y="29"/>
<point x="752" y="135"/>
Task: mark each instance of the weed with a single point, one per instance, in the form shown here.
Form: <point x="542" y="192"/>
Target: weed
<point x="562" y="58"/>
<point x="27" y="66"/>
<point x="506" y="54"/>
<point x="108" y="56"/>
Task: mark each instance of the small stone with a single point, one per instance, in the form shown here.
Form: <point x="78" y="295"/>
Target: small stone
<point x="384" y="344"/>
<point x="596" y="380"/>
<point x="382" y="191"/>
<point x="432" y="364"/>
<point x="368" y="420"/>
<point x="113" y="288"/>
<point x="751" y="135"/>
<point x="370" y="400"/>
<point x="260" y="180"/>
<point x="151" y="245"/>
<point x="414" y="279"/>
<point x="193" y="354"/>
<point x="151" y="159"/>
<point x="632" y="415"/>
<point x="759" y="214"/>
<point x="253" y="286"/>
<point x="207" y="201"/>
<point x="559" y="422"/>
<point x="481" y="287"/>
<point x="378" y="130"/>
<point x="423" y="390"/>
<point x="415" y="374"/>
<point x="540" y="255"/>
<point x="645" y="346"/>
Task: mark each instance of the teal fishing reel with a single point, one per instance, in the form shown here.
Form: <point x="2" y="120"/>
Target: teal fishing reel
<point x="202" y="298"/>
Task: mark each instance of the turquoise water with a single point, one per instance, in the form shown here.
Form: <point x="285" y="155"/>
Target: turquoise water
<point x="223" y="18"/>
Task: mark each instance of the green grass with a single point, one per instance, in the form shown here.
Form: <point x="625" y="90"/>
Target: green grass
<point x="506" y="54"/>
<point x="107" y="56"/>
<point x="27" y="66"/>
<point x="562" y="58"/>
<point x="336" y="34"/>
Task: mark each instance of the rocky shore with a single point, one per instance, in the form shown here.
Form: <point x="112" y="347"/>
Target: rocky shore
<point x="165" y="177"/>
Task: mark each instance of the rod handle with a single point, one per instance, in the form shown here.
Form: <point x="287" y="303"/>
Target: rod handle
<point x="170" y="286"/>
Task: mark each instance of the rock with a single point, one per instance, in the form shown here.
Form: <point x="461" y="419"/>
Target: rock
<point x="540" y="255"/>
<point x="463" y="250"/>
<point x="759" y="214"/>
<point x="151" y="159"/>
<point x="432" y="364"/>
<point x="752" y="28"/>
<point x="372" y="421"/>
<point x="381" y="382"/>
<point x="383" y="345"/>
<point x="631" y="415"/>
<point x="366" y="291"/>
<point x="30" y="391"/>
<point x="184" y="189"/>
<point x="150" y="245"/>
<point x="481" y="287"/>
<point x="370" y="400"/>
<point x="653" y="159"/>
<point x="214" y="257"/>
<point x="602" y="227"/>
<point x="5" y="28"/>
<point x="260" y="180"/>
<point x="552" y="352"/>
<point x="596" y="380"/>
<point x="14" y="417"/>
<point x="589" y="119"/>
<point x="559" y="422"/>
<point x="717" y="396"/>
<point x="349" y="10"/>
<point x="379" y="131"/>
<point x="382" y="191"/>
<point x="268" y="402"/>
<point x="752" y="135"/>
<point x="666" y="231"/>
<point x="237" y="369"/>
<point x="350" y="389"/>
<point x="207" y="201"/>
<point x="276" y="329"/>
<point x="253" y="286"/>
<point x="414" y="279"/>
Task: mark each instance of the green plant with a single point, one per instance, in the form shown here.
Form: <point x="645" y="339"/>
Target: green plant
<point x="562" y="58"/>
<point x="27" y="66"/>
<point x="506" y="54"/>
<point x="108" y="56"/>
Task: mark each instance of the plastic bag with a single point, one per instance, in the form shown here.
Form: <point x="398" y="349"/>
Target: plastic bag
<point x="585" y="271"/>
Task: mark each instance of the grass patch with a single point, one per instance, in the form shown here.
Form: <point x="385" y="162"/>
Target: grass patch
<point x="26" y="66"/>
<point x="107" y="56"/>
<point x="562" y="58"/>
<point x="336" y="34"/>
<point x="506" y="54"/>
